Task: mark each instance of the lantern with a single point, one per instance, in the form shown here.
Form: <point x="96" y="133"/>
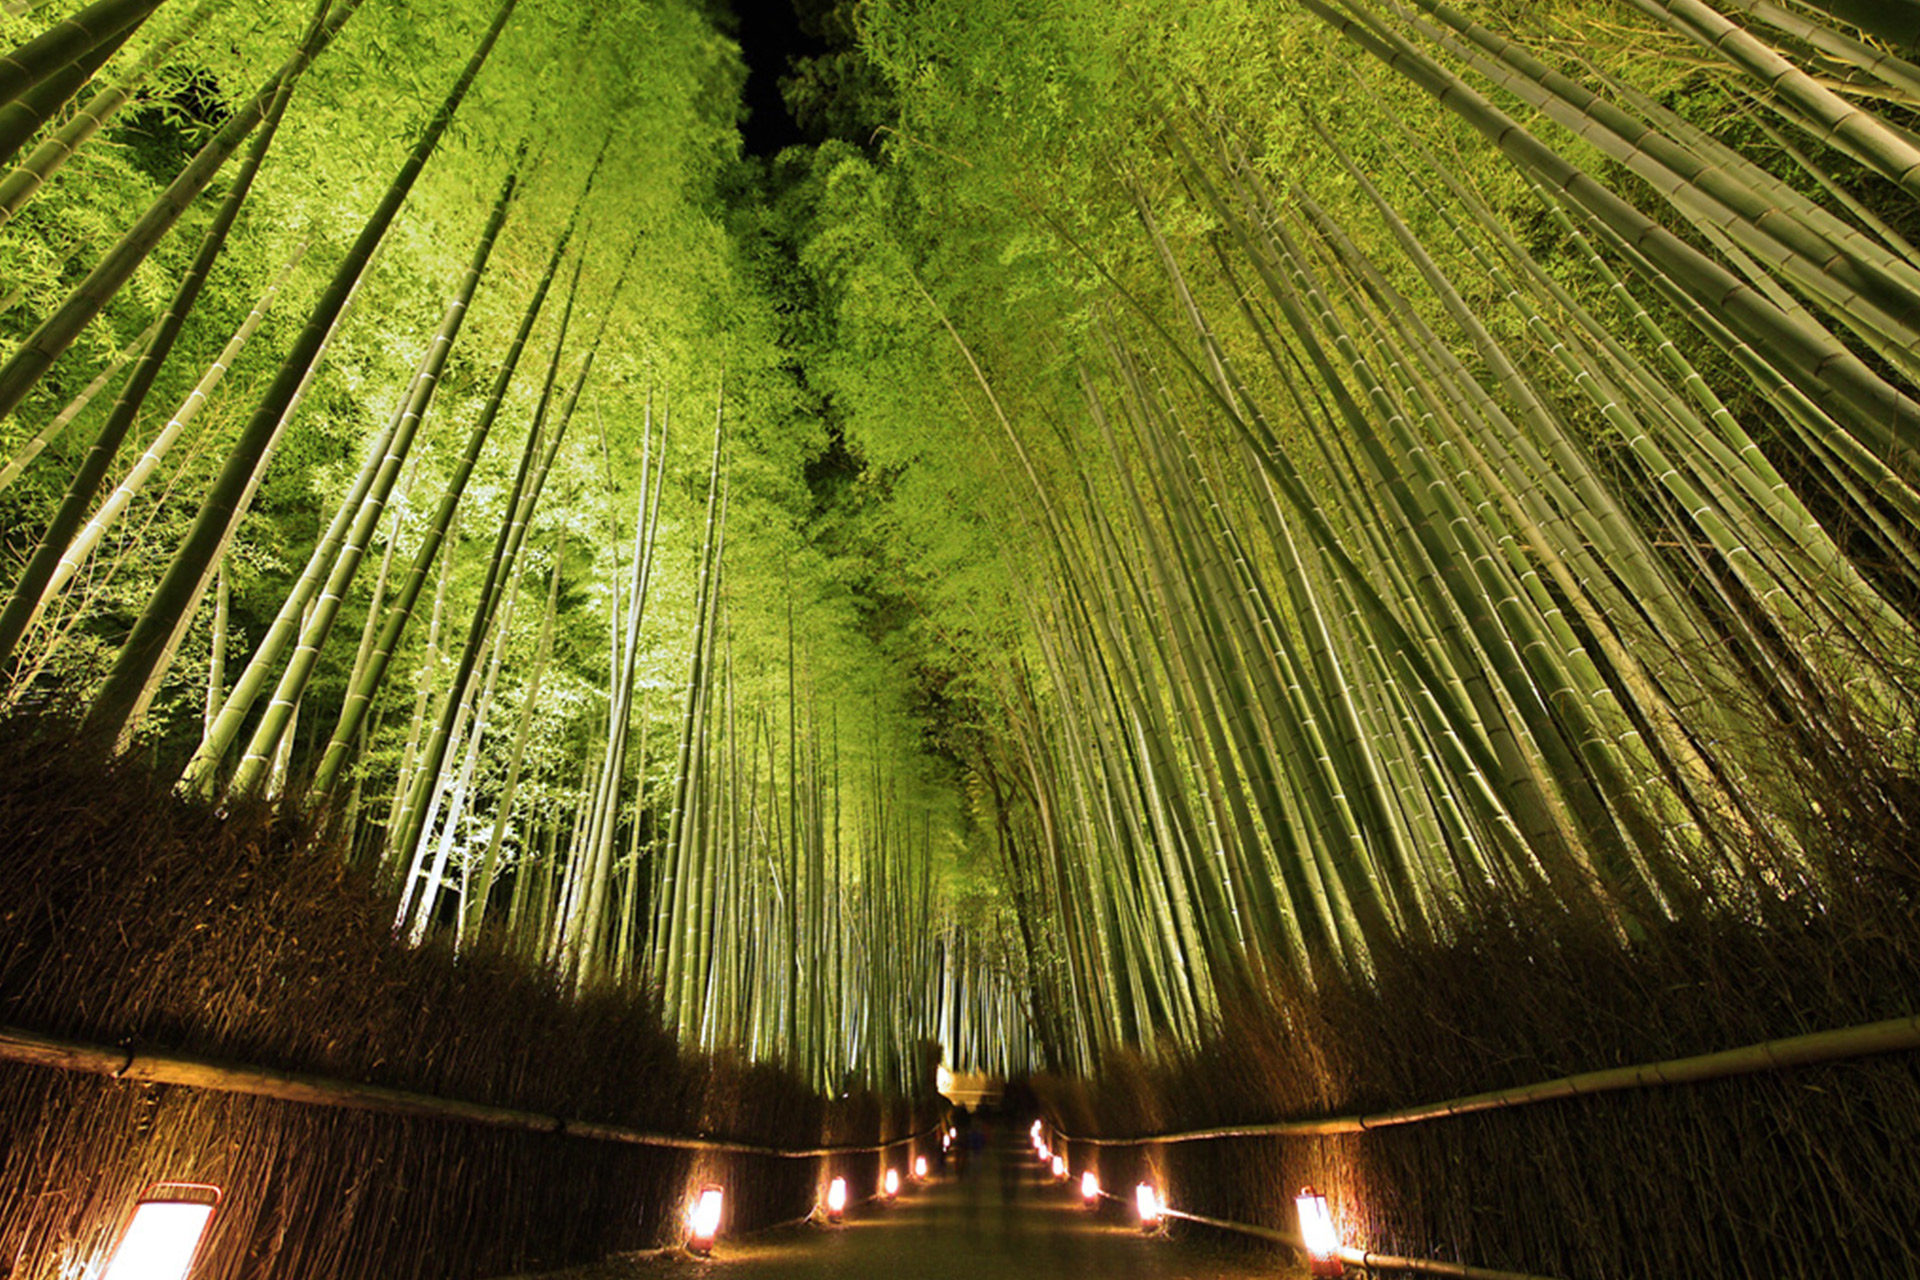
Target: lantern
<point x="920" y="1168"/>
<point x="836" y="1199"/>
<point x="1059" y="1166"/>
<point x="163" y="1233"/>
<point x="1147" y="1201"/>
<point x="1035" y="1131"/>
<point x="1317" y="1233"/>
<point x="703" y="1220"/>
<point x="892" y="1183"/>
<point x="1090" y="1188"/>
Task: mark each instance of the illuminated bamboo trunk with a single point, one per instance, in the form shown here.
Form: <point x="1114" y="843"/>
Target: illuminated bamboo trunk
<point x="116" y="707"/>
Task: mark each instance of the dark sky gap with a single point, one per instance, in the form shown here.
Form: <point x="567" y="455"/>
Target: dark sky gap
<point x="770" y="36"/>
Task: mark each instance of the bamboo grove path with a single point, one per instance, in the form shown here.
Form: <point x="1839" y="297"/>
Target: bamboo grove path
<point x="1000" y="1218"/>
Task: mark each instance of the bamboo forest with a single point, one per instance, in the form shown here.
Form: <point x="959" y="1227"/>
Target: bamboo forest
<point x="610" y="608"/>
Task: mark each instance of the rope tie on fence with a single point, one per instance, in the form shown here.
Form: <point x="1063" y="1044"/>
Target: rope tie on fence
<point x="144" y="1067"/>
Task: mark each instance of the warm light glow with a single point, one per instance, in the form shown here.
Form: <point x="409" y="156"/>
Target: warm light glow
<point x="836" y="1197"/>
<point x="942" y="1079"/>
<point x="1147" y="1201"/>
<point x="1316" y="1231"/>
<point x="703" y="1220"/>
<point x="1059" y="1166"/>
<point x="892" y="1183"/>
<point x="1045" y="1155"/>
<point x="163" y="1235"/>
<point x="919" y="1166"/>
<point x="1090" y="1187"/>
<point x="1035" y="1131"/>
<point x="946" y="1142"/>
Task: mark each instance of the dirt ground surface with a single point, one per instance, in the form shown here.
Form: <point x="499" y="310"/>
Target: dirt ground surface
<point x="1001" y="1218"/>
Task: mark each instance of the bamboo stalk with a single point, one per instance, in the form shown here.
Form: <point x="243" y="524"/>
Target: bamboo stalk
<point x="1890" y="1036"/>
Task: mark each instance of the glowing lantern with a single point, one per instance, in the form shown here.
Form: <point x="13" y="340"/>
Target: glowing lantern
<point x="892" y="1183"/>
<point x="1147" y="1201"/>
<point x="836" y="1198"/>
<point x="946" y="1141"/>
<point x="163" y="1235"/>
<point x="1316" y="1231"/>
<point x="920" y="1167"/>
<point x="1059" y="1166"/>
<point x="1035" y="1131"/>
<point x="1044" y="1154"/>
<point x="703" y="1220"/>
<point x="1090" y="1188"/>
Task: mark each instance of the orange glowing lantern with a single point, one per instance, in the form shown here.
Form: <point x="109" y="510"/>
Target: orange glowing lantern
<point x="1090" y="1188"/>
<point x="1317" y="1233"/>
<point x="163" y="1233"/>
<point x="1147" y="1201"/>
<point x="920" y="1168"/>
<point x="891" y="1184"/>
<point x="836" y="1199"/>
<point x="1059" y="1166"/>
<point x="1035" y="1131"/>
<point x="703" y="1220"/>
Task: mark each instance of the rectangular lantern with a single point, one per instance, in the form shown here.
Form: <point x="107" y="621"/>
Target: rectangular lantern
<point x="920" y="1167"/>
<point x="1147" y="1202"/>
<point x="703" y="1221"/>
<point x="1090" y="1188"/>
<point x="892" y="1183"/>
<point x="164" y="1232"/>
<point x="836" y="1198"/>
<point x="1317" y="1233"/>
<point x="1059" y="1166"/>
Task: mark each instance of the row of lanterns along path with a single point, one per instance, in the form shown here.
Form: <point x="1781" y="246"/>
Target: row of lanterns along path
<point x="163" y="1233"/>
<point x="703" y="1217"/>
<point x="1317" y="1232"/>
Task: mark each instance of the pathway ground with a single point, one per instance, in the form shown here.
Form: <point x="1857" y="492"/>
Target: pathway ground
<point x="999" y="1219"/>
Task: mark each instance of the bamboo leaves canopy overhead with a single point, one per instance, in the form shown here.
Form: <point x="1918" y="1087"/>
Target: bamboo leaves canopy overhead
<point x="1148" y="502"/>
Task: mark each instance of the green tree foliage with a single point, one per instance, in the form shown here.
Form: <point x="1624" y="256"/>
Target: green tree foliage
<point x="1152" y="499"/>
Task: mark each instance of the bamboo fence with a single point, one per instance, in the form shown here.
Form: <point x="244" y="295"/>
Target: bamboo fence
<point x="1891" y="1035"/>
<point x="155" y="1067"/>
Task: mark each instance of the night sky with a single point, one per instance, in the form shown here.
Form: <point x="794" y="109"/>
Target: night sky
<point x="769" y="36"/>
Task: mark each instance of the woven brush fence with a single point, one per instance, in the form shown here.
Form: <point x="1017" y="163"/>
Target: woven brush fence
<point x="1807" y="1170"/>
<point x="131" y="919"/>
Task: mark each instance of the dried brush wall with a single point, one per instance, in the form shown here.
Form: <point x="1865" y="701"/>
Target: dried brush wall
<point x="129" y="918"/>
<point x="1800" y="1172"/>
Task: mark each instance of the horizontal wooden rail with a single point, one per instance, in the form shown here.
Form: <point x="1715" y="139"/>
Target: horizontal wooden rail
<point x="1890" y="1036"/>
<point x="17" y="1045"/>
<point x="1362" y="1258"/>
